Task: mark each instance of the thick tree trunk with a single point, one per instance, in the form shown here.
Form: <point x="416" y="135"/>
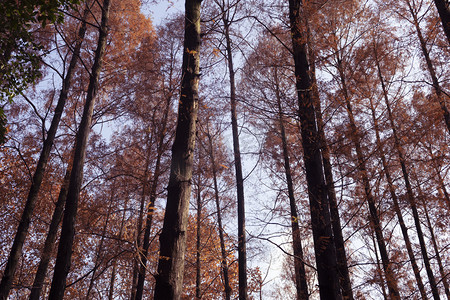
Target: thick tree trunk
<point x="63" y="259"/>
<point x="242" y="252"/>
<point x="151" y="205"/>
<point x="169" y="279"/>
<point x="299" y="266"/>
<point x="375" y="222"/>
<point x="224" y="264"/>
<point x="51" y="236"/>
<point x="22" y="230"/>
<point x="325" y="251"/>
<point x="338" y="238"/>
<point x="437" y="87"/>
<point x="443" y="8"/>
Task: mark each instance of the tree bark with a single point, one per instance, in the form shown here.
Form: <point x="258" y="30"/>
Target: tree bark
<point x="437" y="87"/>
<point x="169" y="279"/>
<point x="51" y="237"/>
<point x="326" y="260"/>
<point x="299" y="266"/>
<point x="63" y="259"/>
<point x="224" y="264"/>
<point x="435" y="246"/>
<point x="98" y="256"/>
<point x="443" y="9"/>
<point x="411" y="199"/>
<point x="338" y="238"/>
<point x="380" y="273"/>
<point x="375" y="222"/>
<point x="198" y="265"/>
<point x="242" y="251"/>
<point x="397" y="210"/>
<point x="409" y="192"/>
<point x="151" y="206"/>
<point x="139" y="250"/>
<point x="22" y="230"/>
<point x="114" y="267"/>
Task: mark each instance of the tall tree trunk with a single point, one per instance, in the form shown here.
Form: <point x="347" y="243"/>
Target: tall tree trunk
<point x="325" y="251"/>
<point x="375" y="222"/>
<point x="437" y="87"/>
<point x="440" y="180"/>
<point x="198" y="266"/>
<point x="22" y="230"/>
<point x="98" y="256"/>
<point x="151" y="205"/>
<point x="139" y="250"/>
<point x="51" y="236"/>
<point x="169" y="279"/>
<point x="299" y="266"/>
<point x="113" y="271"/>
<point x="443" y="8"/>
<point x="435" y="245"/>
<point x="409" y="191"/>
<point x="338" y="238"/>
<point x="379" y="272"/>
<point x="242" y="252"/>
<point x="397" y="210"/>
<point x="224" y="264"/>
<point x="63" y="259"/>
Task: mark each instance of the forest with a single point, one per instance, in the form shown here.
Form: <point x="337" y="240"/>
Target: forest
<point x="228" y="149"/>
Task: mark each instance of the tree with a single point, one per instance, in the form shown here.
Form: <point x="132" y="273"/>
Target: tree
<point x="173" y="236"/>
<point x="63" y="259"/>
<point x="16" y="250"/>
<point x="227" y="15"/>
<point x="444" y="13"/>
<point x="21" y="54"/>
<point x="320" y="215"/>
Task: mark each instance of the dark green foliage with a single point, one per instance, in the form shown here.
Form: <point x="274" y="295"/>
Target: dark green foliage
<point x="20" y="52"/>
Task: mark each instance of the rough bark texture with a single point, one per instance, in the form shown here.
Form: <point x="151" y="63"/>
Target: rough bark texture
<point x="443" y="8"/>
<point x="299" y="266"/>
<point x="22" y="230"/>
<point x="338" y="238"/>
<point x="63" y="259"/>
<point x="52" y="233"/>
<point x="169" y="279"/>
<point x="325" y="252"/>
